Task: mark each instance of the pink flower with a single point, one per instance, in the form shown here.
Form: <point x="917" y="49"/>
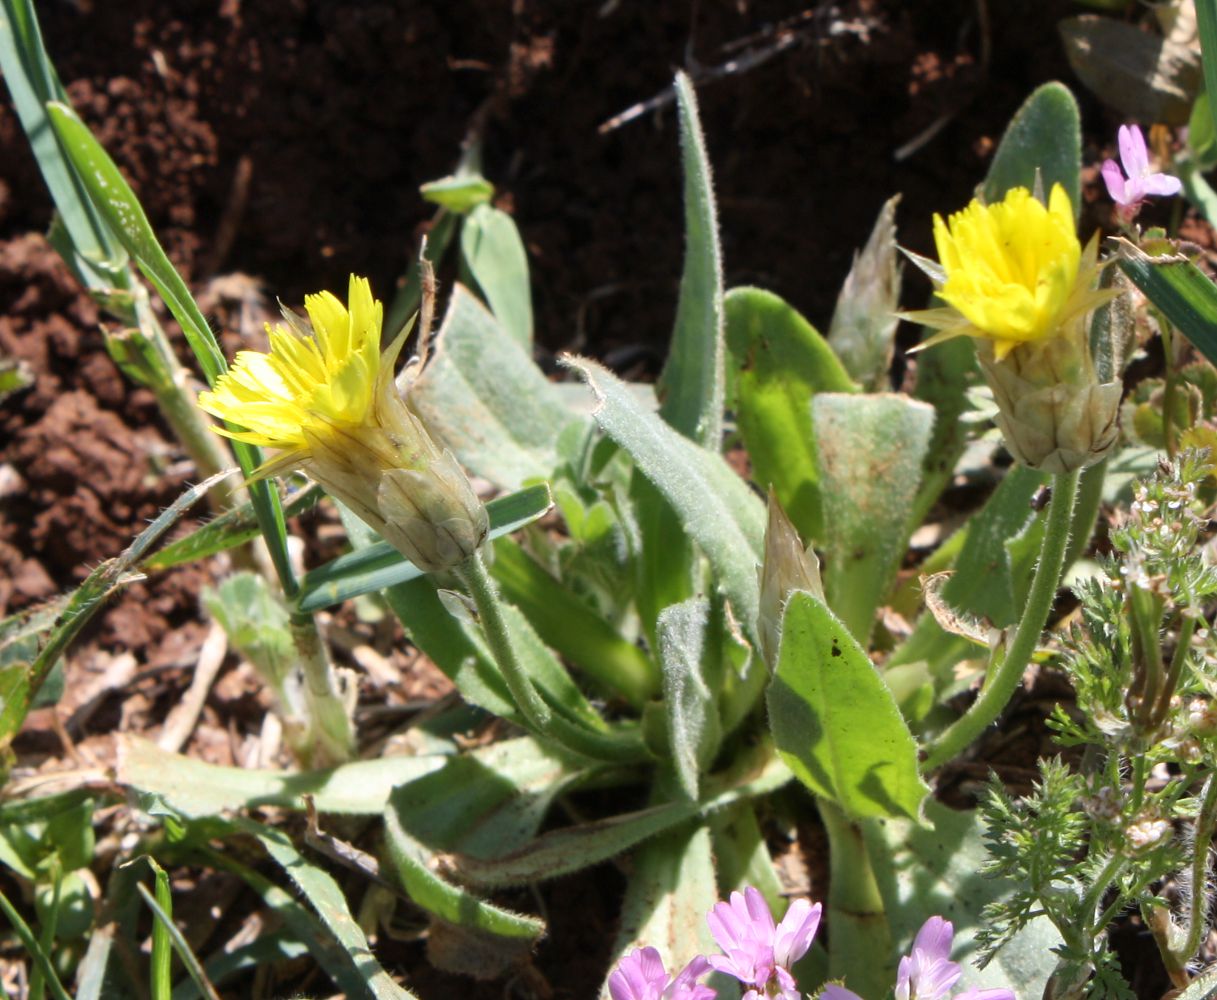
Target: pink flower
<point x="641" y="976"/>
<point x="927" y="972"/>
<point x="1128" y="193"/>
<point x="755" y="951"/>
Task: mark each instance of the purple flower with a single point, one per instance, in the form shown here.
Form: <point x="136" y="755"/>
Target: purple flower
<point x="641" y="976"/>
<point x="756" y="951"/>
<point x="927" y="972"/>
<point x="1129" y="192"/>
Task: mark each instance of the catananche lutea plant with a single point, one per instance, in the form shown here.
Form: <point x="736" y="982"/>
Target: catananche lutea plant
<point x="661" y="542"/>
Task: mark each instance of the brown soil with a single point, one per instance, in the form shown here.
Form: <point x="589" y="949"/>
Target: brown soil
<point x="287" y="139"/>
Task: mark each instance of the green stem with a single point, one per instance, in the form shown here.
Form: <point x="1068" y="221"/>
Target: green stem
<point x="541" y="719"/>
<point x="860" y="943"/>
<point x="329" y="711"/>
<point x="1186" y="629"/>
<point x="37" y="954"/>
<point x="1202" y="843"/>
<point x="1002" y="681"/>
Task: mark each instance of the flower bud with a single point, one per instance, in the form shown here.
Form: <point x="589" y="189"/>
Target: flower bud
<point x="325" y="396"/>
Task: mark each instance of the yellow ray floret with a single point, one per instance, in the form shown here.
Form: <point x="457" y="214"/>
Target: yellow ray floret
<point x="319" y="375"/>
<point x="1015" y="271"/>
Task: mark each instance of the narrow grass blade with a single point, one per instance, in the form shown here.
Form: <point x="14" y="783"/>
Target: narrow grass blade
<point x="692" y="384"/>
<point x="379" y="565"/>
<point x="1180" y="289"/>
<point x="32" y="82"/>
<point x="37" y="955"/>
<point x="166" y="939"/>
<point x="267" y="949"/>
<point x="112" y="196"/>
<point x="230" y="529"/>
<point x="21" y="686"/>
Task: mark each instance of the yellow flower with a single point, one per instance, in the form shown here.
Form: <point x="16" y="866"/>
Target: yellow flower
<point x="312" y="379"/>
<point x="325" y="397"/>
<point x="1013" y="272"/>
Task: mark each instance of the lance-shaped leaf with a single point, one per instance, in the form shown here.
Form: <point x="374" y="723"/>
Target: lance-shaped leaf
<point x="779" y="362"/>
<point x="715" y="506"/>
<point x="1180" y="289"/>
<point x="484" y="397"/>
<point x="415" y="867"/>
<point x="379" y="565"/>
<point x="694" y="730"/>
<point x="114" y="200"/>
<point x="864" y="323"/>
<point x="326" y="898"/>
<point x="835" y="722"/>
<point x="489" y="801"/>
<point x="570" y="849"/>
<point x="692" y="383"/>
<point x="195" y="788"/>
<point x="495" y="254"/>
<point x="870" y="453"/>
<point x="566" y="623"/>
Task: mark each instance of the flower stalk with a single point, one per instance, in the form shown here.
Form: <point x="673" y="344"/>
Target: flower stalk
<point x="1004" y="673"/>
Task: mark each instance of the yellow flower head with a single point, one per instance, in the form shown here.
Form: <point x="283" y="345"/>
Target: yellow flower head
<point x="313" y="378"/>
<point x="1013" y="272"/>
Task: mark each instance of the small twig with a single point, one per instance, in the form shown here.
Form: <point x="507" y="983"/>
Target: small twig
<point x="185" y="715"/>
<point x="347" y="855"/>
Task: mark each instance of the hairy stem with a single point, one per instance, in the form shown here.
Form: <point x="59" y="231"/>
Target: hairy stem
<point x="1003" y="678"/>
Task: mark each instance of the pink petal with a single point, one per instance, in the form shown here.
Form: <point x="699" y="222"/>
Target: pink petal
<point x="1162" y="184"/>
<point x="1133" y="153"/>
<point x="758" y="910"/>
<point x="638" y="976"/>
<point x="1114" y="180"/>
<point x="935" y="936"/>
<point x="835" y="992"/>
<point x="796" y="931"/>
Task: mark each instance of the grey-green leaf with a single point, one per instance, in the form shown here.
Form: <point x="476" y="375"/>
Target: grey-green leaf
<point x="1044" y="135"/>
<point x="871" y="449"/>
<point x="692" y="383"/>
<point x="495" y="254"/>
<point x="779" y="362"/>
<point x="835" y="722"/>
<point x="694" y="730"/>
<point x="715" y="506"/>
<point x="195" y="788"/>
<point x="484" y="397"/>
